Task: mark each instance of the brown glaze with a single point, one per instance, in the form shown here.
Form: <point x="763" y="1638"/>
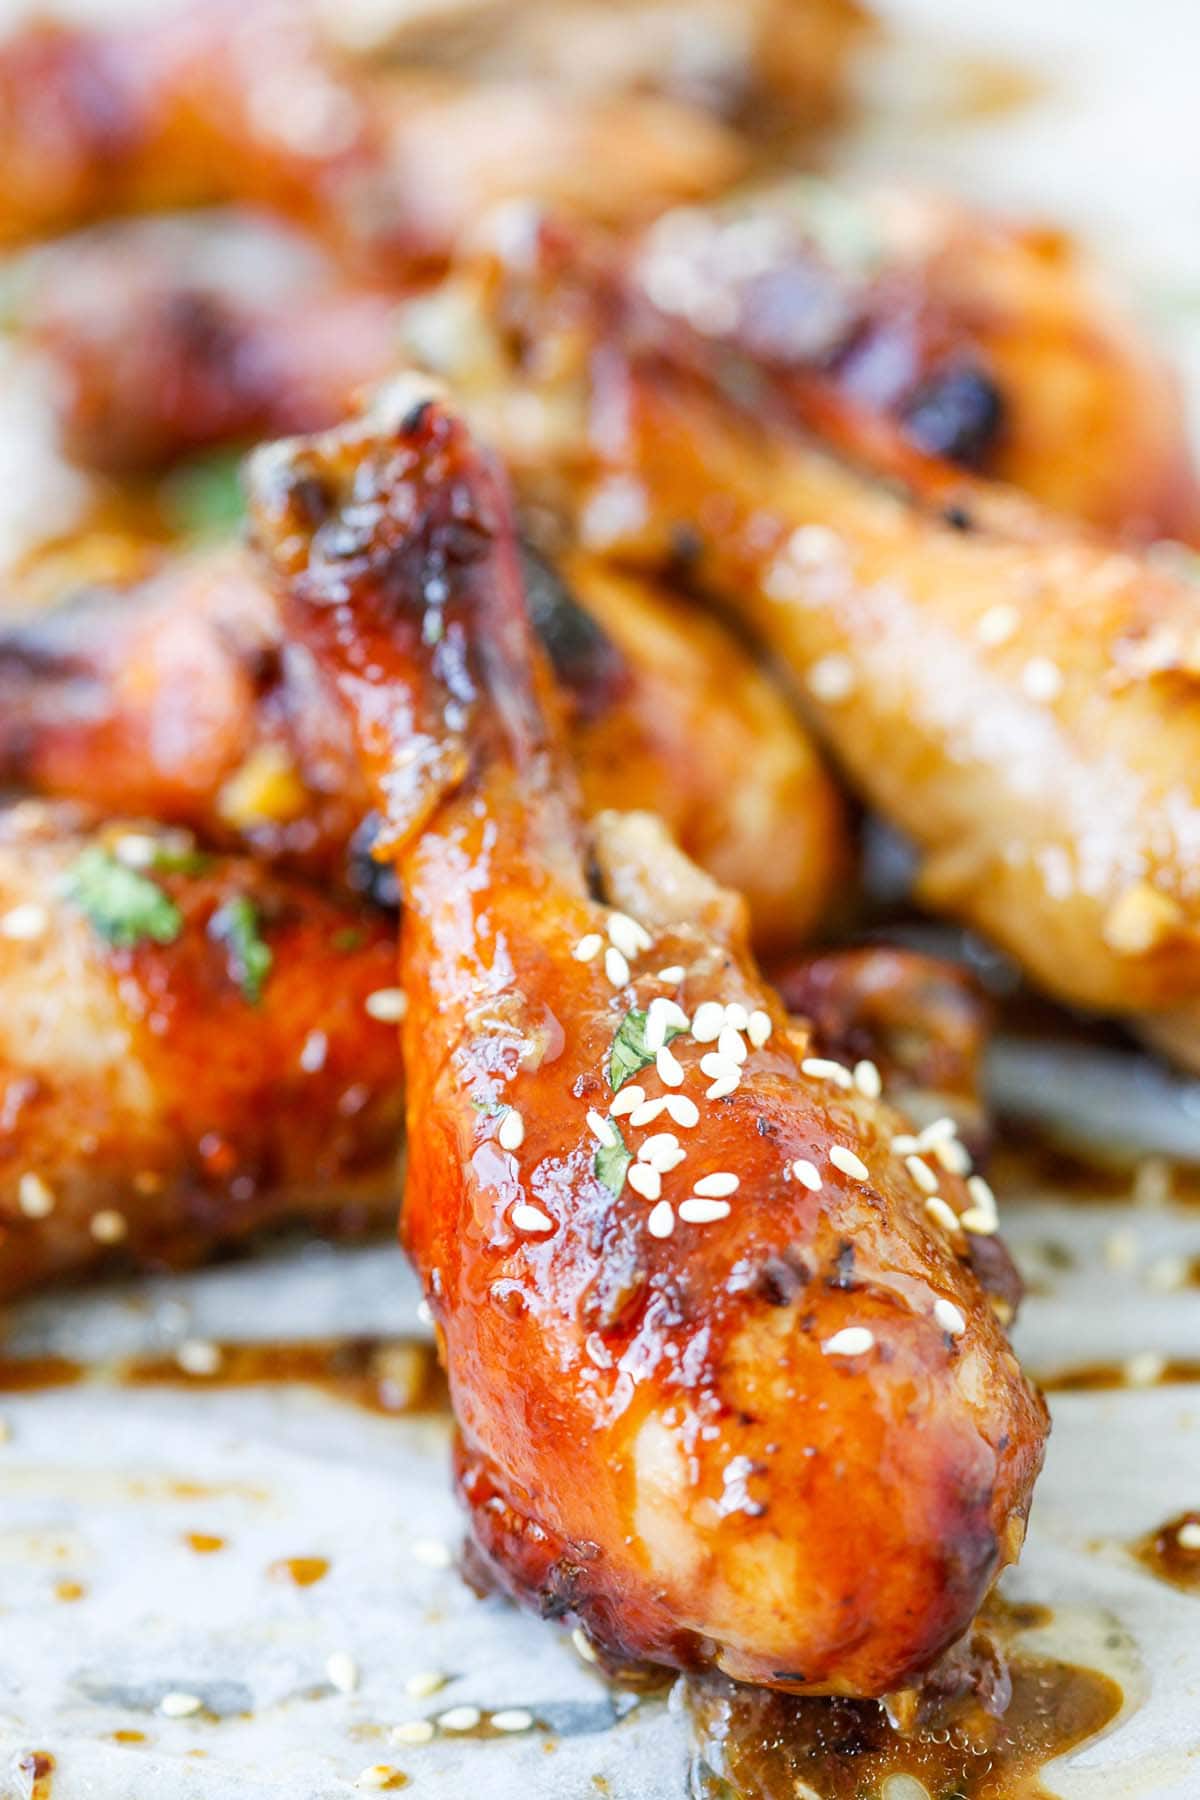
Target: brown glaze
<point x="1164" y="1555"/>
<point x="300" y="1571"/>
<point x="32" y="1374"/>
<point x="151" y="1105"/>
<point x="176" y="697"/>
<point x="1102" y="1377"/>
<point x="756" y="1745"/>
<point x="627" y="1401"/>
<point x="34" y="1769"/>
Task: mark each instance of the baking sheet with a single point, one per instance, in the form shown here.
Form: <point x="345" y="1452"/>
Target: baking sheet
<point x="101" y="1484"/>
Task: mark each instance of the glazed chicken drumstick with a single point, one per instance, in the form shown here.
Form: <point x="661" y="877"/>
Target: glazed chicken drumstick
<point x="727" y="1390"/>
<point x="191" y="1047"/>
<point x="176" y="696"/>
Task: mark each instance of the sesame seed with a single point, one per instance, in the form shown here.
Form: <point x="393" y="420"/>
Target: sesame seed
<point x="1121" y="1249"/>
<point x="177" y="1705"/>
<point x="703" y="1212"/>
<point x="736" y="1015"/>
<point x="645" y="1180"/>
<point x="655" y="1034"/>
<point x="387" y="1004"/>
<point x="831" y="678"/>
<point x="1167" y="1275"/>
<point x="616" y="967"/>
<point x="1188" y="1535"/>
<point x="715" y="1064"/>
<point x="980" y="1223"/>
<point x="758" y="1027"/>
<point x="714" y="1187"/>
<point x="663" y="1151"/>
<point x="630" y="938"/>
<point x="583" y="1644"/>
<point x="953" y="1156"/>
<point x="530" y="1218"/>
<point x="949" y="1317"/>
<point x="922" y="1174"/>
<point x="671" y="1011"/>
<point x="852" y="1340"/>
<point x="821" y="1068"/>
<point x="424" y="1312"/>
<point x="601" y="1128"/>
<point x="937" y="1131"/>
<point x="981" y="1195"/>
<point x="673" y="972"/>
<point x="511" y="1134"/>
<point x="413" y="1731"/>
<point x="313" y="1052"/>
<point x="848" y="1163"/>
<point x="424" y="1683"/>
<point x="941" y="1213"/>
<point x="723" y="1085"/>
<point x="588" y="947"/>
<point x="670" y="1069"/>
<point x="997" y="624"/>
<point x="433" y="1553"/>
<point x="376" y="1778"/>
<point x="708" y="1022"/>
<point x="807" y="1173"/>
<point x="197" y="1356"/>
<point x="731" y="1045"/>
<point x="648" y="1111"/>
<point x="460" y="1718"/>
<point x="628" y="1100"/>
<point x="136" y="849"/>
<point x="1041" y="679"/>
<point x="512" y="1718"/>
<point x="35" y="1197"/>
<point x="342" y="1671"/>
<point x="867" y="1079"/>
<point x="24" y="923"/>
<point x="108" y="1226"/>
<point x="1146" y="1368"/>
<point x="660" y="1224"/>
<point x="5" y="1431"/>
<point x="682" y="1111"/>
<point x="905" y="1143"/>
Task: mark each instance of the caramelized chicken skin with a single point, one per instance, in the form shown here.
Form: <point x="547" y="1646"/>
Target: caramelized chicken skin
<point x="1013" y="692"/>
<point x="227" y="100"/>
<point x="179" y="699"/>
<point x="772" y="1424"/>
<point x="984" y="342"/>
<point x="186" y="1050"/>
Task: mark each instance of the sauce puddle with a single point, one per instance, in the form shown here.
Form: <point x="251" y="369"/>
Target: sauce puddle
<point x="383" y="1375"/>
<point x="756" y="1745"/>
<point x="1172" y="1552"/>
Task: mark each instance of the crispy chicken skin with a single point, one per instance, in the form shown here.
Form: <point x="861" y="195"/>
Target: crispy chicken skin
<point x="665" y="1432"/>
<point x="989" y="343"/>
<point x="159" y="1096"/>
<point x="1012" y="691"/>
<point x="179" y="699"/>
<point x="228" y="100"/>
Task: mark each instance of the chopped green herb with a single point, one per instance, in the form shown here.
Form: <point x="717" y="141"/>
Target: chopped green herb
<point x="125" y="906"/>
<point x="351" y="937"/>
<point x="179" y="859"/>
<point x="629" y="1052"/>
<point x="203" y="497"/>
<point x="612" y="1162"/>
<point x="236" y="925"/>
<point x="491" y="1109"/>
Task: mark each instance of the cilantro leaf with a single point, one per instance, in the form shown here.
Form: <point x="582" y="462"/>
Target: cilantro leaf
<point x="125" y="906"/>
<point x="203" y="497"/>
<point x="236" y="925"/>
<point x="629" y="1052"/>
<point x="612" y="1162"/>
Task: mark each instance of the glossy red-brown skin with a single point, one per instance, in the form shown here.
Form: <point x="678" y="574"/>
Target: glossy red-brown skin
<point x="223" y="100"/>
<point x="178" y="698"/>
<point x="988" y="344"/>
<point x="144" y="1082"/>
<point x="171" y="336"/>
<point x="654" y="1440"/>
